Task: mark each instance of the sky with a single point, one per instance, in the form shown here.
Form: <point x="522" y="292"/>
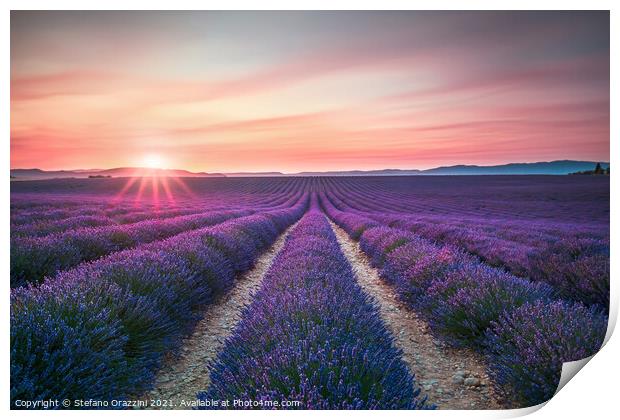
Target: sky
<point x="299" y="91"/>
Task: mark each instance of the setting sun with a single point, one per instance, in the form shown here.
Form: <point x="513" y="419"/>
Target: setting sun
<point x="152" y="161"/>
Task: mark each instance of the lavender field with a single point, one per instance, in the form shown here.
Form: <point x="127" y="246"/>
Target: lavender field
<point x="410" y="292"/>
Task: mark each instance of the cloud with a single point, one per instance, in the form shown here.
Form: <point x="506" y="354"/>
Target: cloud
<point x="380" y="89"/>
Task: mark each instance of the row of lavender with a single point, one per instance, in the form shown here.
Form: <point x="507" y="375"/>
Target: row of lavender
<point x="578" y="201"/>
<point x="524" y="330"/>
<point x="312" y="335"/>
<point x="574" y="259"/>
<point x="35" y="258"/>
<point x="116" y="210"/>
<point x="42" y="224"/>
<point x="575" y="264"/>
<point x="38" y="227"/>
<point x="41" y="214"/>
<point x="505" y="226"/>
<point x="65" y="214"/>
<point x="99" y="331"/>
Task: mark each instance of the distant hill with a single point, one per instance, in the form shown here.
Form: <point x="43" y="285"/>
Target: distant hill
<point x="38" y="174"/>
<point x="240" y="174"/>
<point x="125" y="172"/>
<point x="30" y="174"/>
<point x="557" y="167"/>
<point x="378" y="172"/>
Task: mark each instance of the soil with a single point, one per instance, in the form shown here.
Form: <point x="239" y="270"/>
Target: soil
<point x="185" y="374"/>
<point x="434" y="364"/>
<point x="437" y="366"/>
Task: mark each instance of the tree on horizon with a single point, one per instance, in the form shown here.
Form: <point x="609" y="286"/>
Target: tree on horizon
<point x="598" y="170"/>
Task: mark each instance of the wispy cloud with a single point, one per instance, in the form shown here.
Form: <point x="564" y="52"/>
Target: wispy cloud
<point x="291" y="91"/>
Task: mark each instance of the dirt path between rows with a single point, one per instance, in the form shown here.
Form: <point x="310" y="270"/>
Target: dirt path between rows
<point x="184" y="375"/>
<point x="452" y="378"/>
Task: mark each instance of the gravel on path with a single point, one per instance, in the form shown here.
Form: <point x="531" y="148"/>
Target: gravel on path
<point x="453" y="378"/>
<point x="183" y="375"/>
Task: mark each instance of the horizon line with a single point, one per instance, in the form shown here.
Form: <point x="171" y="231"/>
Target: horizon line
<point x="315" y="170"/>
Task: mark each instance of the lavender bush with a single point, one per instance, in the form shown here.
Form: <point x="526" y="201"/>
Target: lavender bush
<point x="377" y="242"/>
<point x="138" y="304"/>
<point x="47" y="228"/>
<point x="313" y="336"/>
<point x="462" y="304"/>
<point x="528" y="345"/>
<point x="32" y="259"/>
<point x="62" y="345"/>
<point x="526" y="334"/>
<point x="105" y="288"/>
<point x="564" y="245"/>
<point x="414" y="266"/>
<point x="577" y="268"/>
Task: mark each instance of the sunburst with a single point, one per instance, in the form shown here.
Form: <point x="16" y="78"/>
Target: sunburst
<point x="151" y="175"/>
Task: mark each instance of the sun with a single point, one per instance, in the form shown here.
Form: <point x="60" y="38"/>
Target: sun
<point x="152" y="160"/>
<point x="153" y="174"/>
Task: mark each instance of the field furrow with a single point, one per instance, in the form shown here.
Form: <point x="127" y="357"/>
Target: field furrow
<point x="440" y="369"/>
<point x="100" y="331"/>
<point x="471" y="305"/>
<point x="307" y="292"/>
<point x="311" y="337"/>
<point x="186" y="373"/>
<point x="34" y="259"/>
<point x="575" y="261"/>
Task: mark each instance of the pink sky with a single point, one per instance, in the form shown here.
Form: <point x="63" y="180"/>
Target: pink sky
<point x="263" y="91"/>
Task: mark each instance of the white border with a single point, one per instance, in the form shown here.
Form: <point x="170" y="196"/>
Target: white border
<point x="591" y="395"/>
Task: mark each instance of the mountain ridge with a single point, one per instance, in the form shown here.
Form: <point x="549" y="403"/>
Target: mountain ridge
<point x="556" y="167"/>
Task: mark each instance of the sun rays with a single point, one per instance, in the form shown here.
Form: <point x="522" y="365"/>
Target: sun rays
<point x="154" y="185"/>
